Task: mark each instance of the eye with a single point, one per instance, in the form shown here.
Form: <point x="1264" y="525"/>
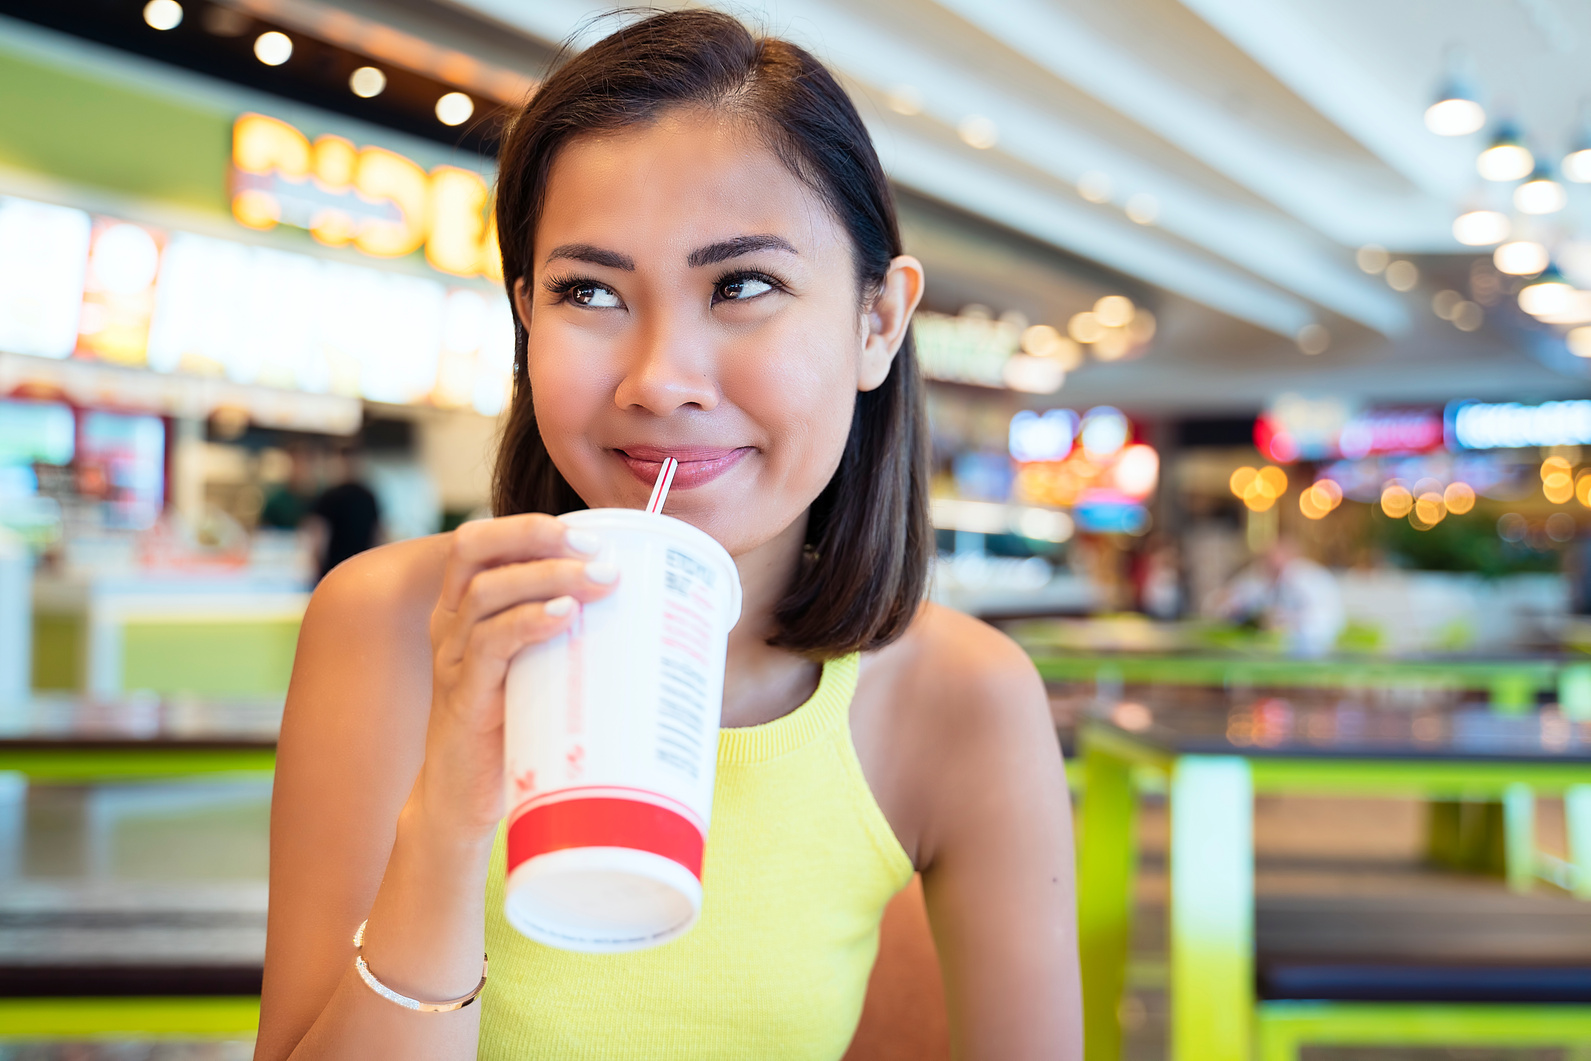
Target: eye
<point x="594" y="296"/>
<point x="741" y="288"/>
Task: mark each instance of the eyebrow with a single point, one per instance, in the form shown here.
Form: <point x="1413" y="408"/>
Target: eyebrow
<point x="585" y="252"/>
<point x="724" y="250"/>
<point x="711" y="254"/>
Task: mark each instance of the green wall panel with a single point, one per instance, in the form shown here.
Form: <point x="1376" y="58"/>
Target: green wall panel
<point x="57" y="652"/>
<point x="209" y="659"/>
<point x="89" y="131"/>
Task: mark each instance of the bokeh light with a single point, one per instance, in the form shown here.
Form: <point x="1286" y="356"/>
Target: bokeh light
<point x="1085" y="327"/>
<point x="1481" y="228"/>
<point x="1258" y="488"/>
<point x="163" y="14"/>
<point x="1505" y="160"/>
<point x="1520" y="258"/>
<point x="1402" y="275"/>
<point x="1396" y="501"/>
<point x="1557" y="480"/>
<point x="273" y="48"/>
<point x="1114" y="311"/>
<point x="367" y="81"/>
<point x="1540" y="195"/>
<point x="1459" y="498"/>
<point x="454" y="108"/>
<point x="1455" y="117"/>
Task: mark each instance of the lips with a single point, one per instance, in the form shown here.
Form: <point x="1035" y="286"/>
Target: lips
<point x="698" y="465"/>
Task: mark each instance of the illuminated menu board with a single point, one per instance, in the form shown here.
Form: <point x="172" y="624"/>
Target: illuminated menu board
<point x="104" y="289"/>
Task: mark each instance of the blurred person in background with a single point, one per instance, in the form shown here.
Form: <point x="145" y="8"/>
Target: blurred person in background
<point x="1157" y="574"/>
<point x="285" y="476"/>
<point x="1286" y="592"/>
<point x="345" y="519"/>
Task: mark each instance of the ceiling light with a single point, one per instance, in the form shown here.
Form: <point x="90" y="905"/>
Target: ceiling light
<point x="1094" y="186"/>
<point x="1445" y="303"/>
<point x="904" y="99"/>
<point x="1143" y="209"/>
<point x="1480" y="228"/>
<point x="977" y="131"/>
<point x="1402" y="275"/>
<point x="1577" y="166"/>
<point x="1455" y="112"/>
<point x="454" y="108"/>
<point x="1520" y="258"/>
<point x="163" y="14"/>
<point x="1313" y="339"/>
<point x="1580" y="342"/>
<point x="1112" y="346"/>
<point x="1577" y="311"/>
<point x="367" y="81"/>
<point x="1468" y="316"/>
<point x="1507" y="159"/>
<point x="273" y="48"/>
<point x="1549" y="293"/>
<point x="1085" y="327"/>
<point x="1114" y="311"/>
<point x="1372" y="258"/>
<point x="1540" y="194"/>
<point x="1033" y="375"/>
<point x="1044" y="340"/>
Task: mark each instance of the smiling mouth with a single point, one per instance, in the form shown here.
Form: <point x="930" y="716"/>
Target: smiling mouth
<point x="698" y="465"/>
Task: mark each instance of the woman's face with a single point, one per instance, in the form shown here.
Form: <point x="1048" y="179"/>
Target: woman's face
<point x="691" y="298"/>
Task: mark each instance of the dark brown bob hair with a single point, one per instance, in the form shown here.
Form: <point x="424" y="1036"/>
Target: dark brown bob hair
<point x="869" y="543"/>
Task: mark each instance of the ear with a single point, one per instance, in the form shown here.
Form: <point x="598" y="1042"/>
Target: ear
<point x="887" y="319"/>
<point x="522" y="301"/>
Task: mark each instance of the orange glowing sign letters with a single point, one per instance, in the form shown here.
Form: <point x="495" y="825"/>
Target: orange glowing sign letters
<point x="376" y="200"/>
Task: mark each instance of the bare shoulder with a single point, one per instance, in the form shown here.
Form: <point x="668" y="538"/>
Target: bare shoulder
<point x="953" y="670"/>
<point x="364" y="657"/>
<point x="938" y="713"/>
<point x="390" y="583"/>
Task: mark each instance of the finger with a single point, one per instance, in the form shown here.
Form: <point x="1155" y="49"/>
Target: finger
<point x="507" y="585"/>
<point x="493" y="643"/>
<point x="485" y="543"/>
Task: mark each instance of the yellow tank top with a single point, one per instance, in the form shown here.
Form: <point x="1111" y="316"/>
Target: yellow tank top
<point x="799" y="865"/>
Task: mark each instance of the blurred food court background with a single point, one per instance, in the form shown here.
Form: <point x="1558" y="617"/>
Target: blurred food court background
<point x="1259" y="340"/>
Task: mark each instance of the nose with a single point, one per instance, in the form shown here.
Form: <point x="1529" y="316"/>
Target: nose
<point x="669" y="369"/>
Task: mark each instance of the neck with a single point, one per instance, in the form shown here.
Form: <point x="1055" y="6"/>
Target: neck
<point x="761" y="682"/>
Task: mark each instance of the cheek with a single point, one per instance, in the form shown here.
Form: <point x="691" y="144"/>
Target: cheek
<point x="801" y="389"/>
<point x="569" y="391"/>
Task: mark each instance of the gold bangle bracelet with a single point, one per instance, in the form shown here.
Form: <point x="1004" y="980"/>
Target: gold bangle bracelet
<point x="404" y="1000"/>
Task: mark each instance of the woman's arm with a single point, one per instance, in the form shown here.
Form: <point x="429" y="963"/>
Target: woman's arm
<point x="996" y="847"/>
<point x="389" y="785"/>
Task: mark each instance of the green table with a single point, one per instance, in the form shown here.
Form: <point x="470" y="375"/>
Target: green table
<point x="1511" y="684"/>
<point x="1214" y="767"/>
<point x="78" y="740"/>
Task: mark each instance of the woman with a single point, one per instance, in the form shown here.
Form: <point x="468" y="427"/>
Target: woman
<point x="704" y="263"/>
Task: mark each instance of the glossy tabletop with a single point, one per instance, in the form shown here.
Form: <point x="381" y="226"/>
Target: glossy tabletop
<point x="73" y="739"/>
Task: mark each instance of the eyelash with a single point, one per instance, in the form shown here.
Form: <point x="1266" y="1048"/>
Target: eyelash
<point x="561" y="287"/>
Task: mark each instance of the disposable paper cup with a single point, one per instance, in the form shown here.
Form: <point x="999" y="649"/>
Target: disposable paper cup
<point x="611" y="739"/>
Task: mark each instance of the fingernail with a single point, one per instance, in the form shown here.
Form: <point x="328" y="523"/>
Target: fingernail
<point x="582" y="541"/>
<point x="559" y="606"/>
<point x="602" y="572"/>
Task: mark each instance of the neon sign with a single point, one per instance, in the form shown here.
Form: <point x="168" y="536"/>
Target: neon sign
<point x="373" y="199"/>
<point x="1511" y="425"/>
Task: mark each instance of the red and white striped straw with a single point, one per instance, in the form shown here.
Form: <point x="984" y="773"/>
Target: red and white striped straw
<point x="665" y="478"/>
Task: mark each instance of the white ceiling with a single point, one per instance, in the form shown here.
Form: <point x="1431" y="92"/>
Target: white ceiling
<point x="1274" y="137"/>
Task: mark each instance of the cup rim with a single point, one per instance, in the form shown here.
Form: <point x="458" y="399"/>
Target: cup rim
<point x="673" y="526"/>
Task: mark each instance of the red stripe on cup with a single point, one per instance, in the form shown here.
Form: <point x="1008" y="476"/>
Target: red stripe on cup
<point x="600" y="822"/>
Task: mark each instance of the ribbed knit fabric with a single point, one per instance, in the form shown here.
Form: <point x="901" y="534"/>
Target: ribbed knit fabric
<point x="799" y="865"/>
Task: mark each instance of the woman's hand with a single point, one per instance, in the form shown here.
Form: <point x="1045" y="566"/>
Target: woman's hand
<point x="508" y="583"/>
